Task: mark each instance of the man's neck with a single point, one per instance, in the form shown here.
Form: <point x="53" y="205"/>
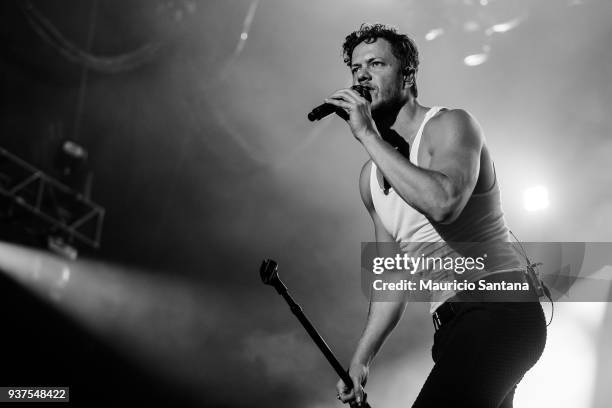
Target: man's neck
<point x="404" y="123"/>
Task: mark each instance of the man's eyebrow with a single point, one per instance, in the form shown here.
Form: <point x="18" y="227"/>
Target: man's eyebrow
<point x="368" y="60"/>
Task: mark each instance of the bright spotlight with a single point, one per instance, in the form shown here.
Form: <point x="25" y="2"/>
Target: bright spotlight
<point x="535" y="198"/>
<point x="475" y="59"/>
<point x="434" y="33"/>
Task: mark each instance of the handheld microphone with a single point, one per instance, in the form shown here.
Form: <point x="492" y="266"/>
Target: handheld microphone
<point x="326" y="109"/>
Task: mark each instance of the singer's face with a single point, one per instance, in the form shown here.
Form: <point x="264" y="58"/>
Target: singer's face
<point x="375" y="66"/>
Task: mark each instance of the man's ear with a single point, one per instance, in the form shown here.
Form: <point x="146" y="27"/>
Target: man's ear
<point x="408" y="77"/>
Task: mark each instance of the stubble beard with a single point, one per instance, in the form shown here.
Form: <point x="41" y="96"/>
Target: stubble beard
<point x="385" y="113"/>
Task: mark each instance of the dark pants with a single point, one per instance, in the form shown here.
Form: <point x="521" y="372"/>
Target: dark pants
<point x="482" y="353"/>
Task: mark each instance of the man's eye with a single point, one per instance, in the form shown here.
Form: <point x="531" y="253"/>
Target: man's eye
<point x="377" y="63"/>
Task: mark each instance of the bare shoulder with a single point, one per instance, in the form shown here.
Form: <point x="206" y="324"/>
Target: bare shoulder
<point x="453" y="117"/>
<point x="364" y="185"/>
<point x="454" y="126"/>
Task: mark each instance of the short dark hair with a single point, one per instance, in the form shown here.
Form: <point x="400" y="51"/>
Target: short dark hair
<point x="402" y="46"/>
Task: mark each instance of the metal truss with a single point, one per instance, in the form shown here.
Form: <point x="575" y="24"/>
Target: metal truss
<point x="54" y="207"/>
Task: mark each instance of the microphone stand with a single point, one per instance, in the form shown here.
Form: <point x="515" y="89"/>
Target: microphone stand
<point x="269" y="275"/>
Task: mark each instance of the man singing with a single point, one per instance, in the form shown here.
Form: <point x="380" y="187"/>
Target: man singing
<point x="432" y="179"/>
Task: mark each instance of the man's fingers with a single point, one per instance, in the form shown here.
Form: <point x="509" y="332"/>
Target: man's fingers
<point x="355" y="394"/>
<point x="347" y="397"/>
<point x="358" y="389"/>
<point x="353" y="95"/>
<point x="344" y="393"/>
<point x="338" y="102"/>
<point x="348" y="95"/>
<point x="340" y="387"/>
<point x="356" y="95"/>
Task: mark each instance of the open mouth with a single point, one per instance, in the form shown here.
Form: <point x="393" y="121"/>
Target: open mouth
<point x="368" y="87"/>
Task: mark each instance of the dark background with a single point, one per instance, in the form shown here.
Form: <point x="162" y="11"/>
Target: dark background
<point x="205" y="164"/>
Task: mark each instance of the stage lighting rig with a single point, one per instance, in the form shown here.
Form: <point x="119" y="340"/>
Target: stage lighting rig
<point x="45" y="207"/>
<point x="71" y="157"/>
<point x="71" y="162"/>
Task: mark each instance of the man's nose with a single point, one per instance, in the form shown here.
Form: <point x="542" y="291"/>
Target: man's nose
<point x="363" y="75"/>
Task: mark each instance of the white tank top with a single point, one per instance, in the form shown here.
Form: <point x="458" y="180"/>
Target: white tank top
<point x="402" y="221"/>
<point x="480" y="221"/>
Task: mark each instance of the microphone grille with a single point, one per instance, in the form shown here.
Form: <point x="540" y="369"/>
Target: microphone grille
<point x="363" y="91"/>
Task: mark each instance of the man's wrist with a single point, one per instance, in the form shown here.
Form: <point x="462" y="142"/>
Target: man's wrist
<point x="369" y="136"/>
<point x="360" y="362"/>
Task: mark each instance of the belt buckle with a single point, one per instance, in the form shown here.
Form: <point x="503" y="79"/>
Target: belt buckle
<point x="436" y="321"/>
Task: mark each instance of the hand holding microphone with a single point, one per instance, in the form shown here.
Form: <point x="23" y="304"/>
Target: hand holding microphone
<point x="353" y="105"/>
<point x="326" y="108"/>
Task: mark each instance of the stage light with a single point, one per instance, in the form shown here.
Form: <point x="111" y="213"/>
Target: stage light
<point x="58" y="245"/>
<point x="504" y="27"/>
<point x="475" y="59"/>
<point x="71" y="158"/>
<point x="535" y="198"/>
<point x="434" y="33"/>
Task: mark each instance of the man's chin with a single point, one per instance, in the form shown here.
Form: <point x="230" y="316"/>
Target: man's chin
<point x="383" y="112"/>
<point x="375" y="108"/>
<point x="378" y="108"/>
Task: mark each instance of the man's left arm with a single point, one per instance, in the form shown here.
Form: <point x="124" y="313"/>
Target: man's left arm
<point x="441" y="190"/>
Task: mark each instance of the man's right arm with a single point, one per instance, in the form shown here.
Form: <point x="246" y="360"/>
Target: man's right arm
<point x="382" y="316"/>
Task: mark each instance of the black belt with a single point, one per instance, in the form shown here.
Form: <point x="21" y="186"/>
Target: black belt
<point x="444" y="314"/>
<point x="449" y="309"/>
